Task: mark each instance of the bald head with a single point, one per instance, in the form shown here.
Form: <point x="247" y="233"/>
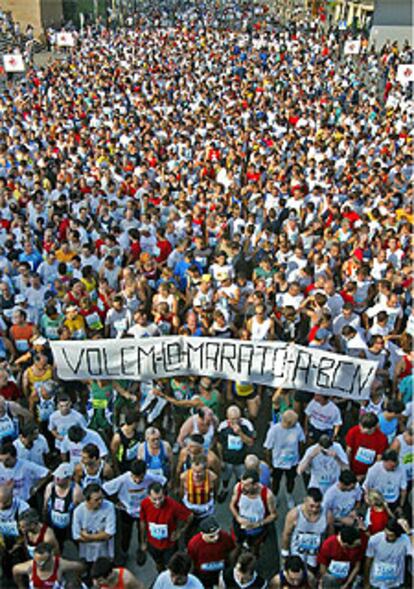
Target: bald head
<point x="252" y="462"/>
<point x="233" y="412"/>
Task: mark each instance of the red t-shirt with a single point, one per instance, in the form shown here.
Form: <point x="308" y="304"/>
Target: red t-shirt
<point x="162" y="522"/>
<point x="10" y="391"/>
<point x="357" y="440"/>
<point x="331" y="550"/>
<point x="214" y="554"/>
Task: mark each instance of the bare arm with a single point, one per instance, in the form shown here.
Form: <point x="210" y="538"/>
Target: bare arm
<point x="290" y="523"/>
<point x="130" y="581"/>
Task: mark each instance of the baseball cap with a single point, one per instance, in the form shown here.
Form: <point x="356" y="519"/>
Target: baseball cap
<point x="209" y="525"/>
<point x="20" y="298"/>
<point x="40" y="341"/>
<point x="63" y="471"/>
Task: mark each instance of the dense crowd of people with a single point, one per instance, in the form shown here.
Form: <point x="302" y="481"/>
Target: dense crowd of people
<point x="205" y="181"/>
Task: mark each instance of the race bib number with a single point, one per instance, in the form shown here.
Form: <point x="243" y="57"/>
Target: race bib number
<point x="158" y="531"/>
<point x="384" y="571"/>
<point x="234" y="443"/>
<point x="94" y="321"/>
<point x="325" y="480"/>
<point x="60" y="520"/>
<point x="22" y="345"/>
<point x="365" y="455"/>
<point x="338" y="569"/>
<point x="309" y="542"/>
<point x="287" y="458"/>
<point x="120" y="325"/>
<point x="210" y="567"/>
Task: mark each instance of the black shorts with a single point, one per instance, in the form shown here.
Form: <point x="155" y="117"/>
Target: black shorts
<point x="162" y="556"/>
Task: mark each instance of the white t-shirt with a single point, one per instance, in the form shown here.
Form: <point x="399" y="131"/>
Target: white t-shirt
<point x="75" y="449"/>
<point x="323" y="417"/>
<point x="388" y="564"/>
<point x="388" y="482"/>
<point x="284" y="444"/>
<point x="341" y="503"/>
<point x="129" y="493"/>
<point x="163" y="581"/>
<point x="24" y="475"/>
<point x="93" y="521"/>
<point x="36" y="453"/>
<point x="61" y="424"/>
<point x="325" y="469"/>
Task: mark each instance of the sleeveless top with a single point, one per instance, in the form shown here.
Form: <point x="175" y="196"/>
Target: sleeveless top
<point x="254" y="509"/>
<point x="33" y="379"/>
<point x="127" y="451"/>
<point x="60" y="508"/>
<point x="208" y="436"/>
<point x="157" y="465"/>
<point x="120" y="582"/>
<point x="87" y="478"/>
<point x="8" y="425"/>
<point x="307" y="536"/>
<point x="45" y="407"/>
<point x="51" y="583"/>
<point x="40" y="538"/>
<point x="260" y="331"/>
<point x="199" y="498"/>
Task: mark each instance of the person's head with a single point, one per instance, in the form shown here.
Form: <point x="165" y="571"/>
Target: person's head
<point x="90" y="455"/>
<point x="252" y="462"/>
<point x="394" y="407"/>
<point x="233" y="414"/>
<point x="76" y="433"/>
<point x="156" y="493"/>
<point x="375" y="499"/>
<point x="199" y="466"/>
<point x="390" y="460"/>
<point x="64" y="404"/>
<point x="93" y="496"/>
<point x="153" y="437"/>
<point x="138" y="469"/>
<point x="249" y="482"/>
<point x="195" y="444"/>
<point x="102" y="571"/>
<point x="179" y="567"/>
<point x="347" y="480"/>
<point x="368" y="423"/>
<point x="28" y="521"/>
<point x="289" y="419"/>
<point x="321" y="399"/>
<point x="349" y="537"/>
<point x="313" y="501"/>
<point x="8" y="455"/>
<point x="43" y="554"/>
<point x="294" y="570"/>
<point x="393" y="530"/>
<point x="210" y="530"/>
<point x="244" y="568"/>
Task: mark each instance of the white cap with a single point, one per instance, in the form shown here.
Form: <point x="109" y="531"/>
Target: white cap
<point x="63" y="471"/>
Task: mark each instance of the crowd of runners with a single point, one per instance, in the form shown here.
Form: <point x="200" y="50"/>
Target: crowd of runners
<point x="204" y="181"/>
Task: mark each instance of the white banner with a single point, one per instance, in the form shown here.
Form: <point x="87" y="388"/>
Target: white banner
<point x="275" y="364"/>
<point x="352" y="47"/>
<point x="65" y="39"/>
<point x="405" y="73"/>
<point x="13" y="63"/>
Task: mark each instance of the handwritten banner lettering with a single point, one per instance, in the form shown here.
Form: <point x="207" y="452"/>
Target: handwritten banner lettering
<point x="275" y="364"/>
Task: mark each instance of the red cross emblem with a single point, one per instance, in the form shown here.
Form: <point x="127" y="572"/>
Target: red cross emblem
<point x="407" y="72"/>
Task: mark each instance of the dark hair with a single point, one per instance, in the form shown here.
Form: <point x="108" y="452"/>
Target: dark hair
<point x="138" y="467"/>
<point x="197" y="438"/>
<point x="131" y="417"/>
<point x="91" y="489"/>
<point x="294" y="564"/>
<point x="315" y="494"/>
<point x="347" y="477"/>
<point x="394" y="527"/>
<point x="102" y="567"/>
<point x="44" y="548"/>
<point x="180" y="563"/>
<point x="91" y="450"/>
<point x="349" y="535"/>
<point x="76" y="433"/>
<point x="156" y="487"/>
<point x="250" y="474"/>
<point x="8" y="448"/>
<point x="390" y="455"/>
<point x="28" y="429"/>
<point x="246" y="562"/>
<point x="63" y="397"/>
<point x="395" y="406"/>
<point x="369" y="420"/>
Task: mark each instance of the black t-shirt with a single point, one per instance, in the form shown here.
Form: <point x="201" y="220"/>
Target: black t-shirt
<point x="230" y="582"/>
<point x="234" y="449"/>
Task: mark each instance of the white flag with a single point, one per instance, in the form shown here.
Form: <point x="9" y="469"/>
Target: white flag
<point x="352" y="47"/>
<point x="65" y="39"/>
<point x="405" y="73"/>
<point x="13" y="63"/>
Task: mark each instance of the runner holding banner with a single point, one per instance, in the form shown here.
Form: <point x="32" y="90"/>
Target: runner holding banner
<point x="275" y="364"/>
